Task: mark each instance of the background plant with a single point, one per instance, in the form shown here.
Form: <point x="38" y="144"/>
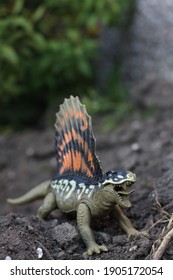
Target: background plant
<point x="46" y="52"/>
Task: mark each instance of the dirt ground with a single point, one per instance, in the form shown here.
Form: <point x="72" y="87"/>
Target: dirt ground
<point x="142" y="145"/>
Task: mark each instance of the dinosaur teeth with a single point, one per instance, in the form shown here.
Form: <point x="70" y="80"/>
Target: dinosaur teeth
<point x="123" y="201"/>
<point x="125" y="184"/>
<point x="126" y="192"/>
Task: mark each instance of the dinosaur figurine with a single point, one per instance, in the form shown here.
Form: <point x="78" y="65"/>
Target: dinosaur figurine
<point x="79" y="184"/>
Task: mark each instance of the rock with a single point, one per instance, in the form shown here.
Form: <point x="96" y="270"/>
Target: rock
<point x="164" y="190"/>
<point x="65" y="234"/>
<point x="168" y="163"/>
<point x="147" y="63"/>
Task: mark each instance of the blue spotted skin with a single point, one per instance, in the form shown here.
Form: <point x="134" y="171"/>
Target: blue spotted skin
<point x="118" y="177"/>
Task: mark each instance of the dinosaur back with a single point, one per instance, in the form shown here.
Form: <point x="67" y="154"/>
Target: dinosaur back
<point x="75" y="143"/>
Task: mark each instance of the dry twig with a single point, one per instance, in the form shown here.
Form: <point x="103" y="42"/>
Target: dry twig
<point x="164" y="244"/>
<point x="160" y="245"/>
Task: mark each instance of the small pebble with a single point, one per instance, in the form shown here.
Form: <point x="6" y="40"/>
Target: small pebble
<point x="133" y="248"/>
<point x="8" y="258"/>
<point x="135" y="147"/>
<point x="40" y="252"/>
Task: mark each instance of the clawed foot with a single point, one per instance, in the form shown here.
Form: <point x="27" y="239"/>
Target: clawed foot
<point x="95" y="248"/>
<point x="132" y="232"/>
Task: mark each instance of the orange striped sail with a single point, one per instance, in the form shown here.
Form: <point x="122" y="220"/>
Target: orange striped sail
<point x="75" y="143"/>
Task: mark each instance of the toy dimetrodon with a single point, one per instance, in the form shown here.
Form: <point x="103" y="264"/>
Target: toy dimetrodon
<point x="79" y="184"/>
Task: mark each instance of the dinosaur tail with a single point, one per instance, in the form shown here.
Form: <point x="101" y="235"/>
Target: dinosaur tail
<point x="39" y="191"/>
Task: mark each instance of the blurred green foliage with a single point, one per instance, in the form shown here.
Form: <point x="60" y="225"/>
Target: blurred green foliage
<point x="46" y="52"/>
<point x="114" y="104"/>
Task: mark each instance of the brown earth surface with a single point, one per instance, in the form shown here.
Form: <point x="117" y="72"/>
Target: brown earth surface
<point x="144" y="146"/>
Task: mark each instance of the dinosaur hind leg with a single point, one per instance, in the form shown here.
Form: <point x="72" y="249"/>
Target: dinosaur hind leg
<point x="49" y="204"/>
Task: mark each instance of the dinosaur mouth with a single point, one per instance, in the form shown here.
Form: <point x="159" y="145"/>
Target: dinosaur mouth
<point x="122" y="194"/>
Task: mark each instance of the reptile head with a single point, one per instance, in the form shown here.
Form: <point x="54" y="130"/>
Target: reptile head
<point x="117" y="182"/>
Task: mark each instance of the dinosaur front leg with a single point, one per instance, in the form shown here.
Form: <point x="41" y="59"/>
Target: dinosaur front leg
<point x="126" y="224"/>
<point x="83" y="222"/>
<point x="48" y="205"/>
